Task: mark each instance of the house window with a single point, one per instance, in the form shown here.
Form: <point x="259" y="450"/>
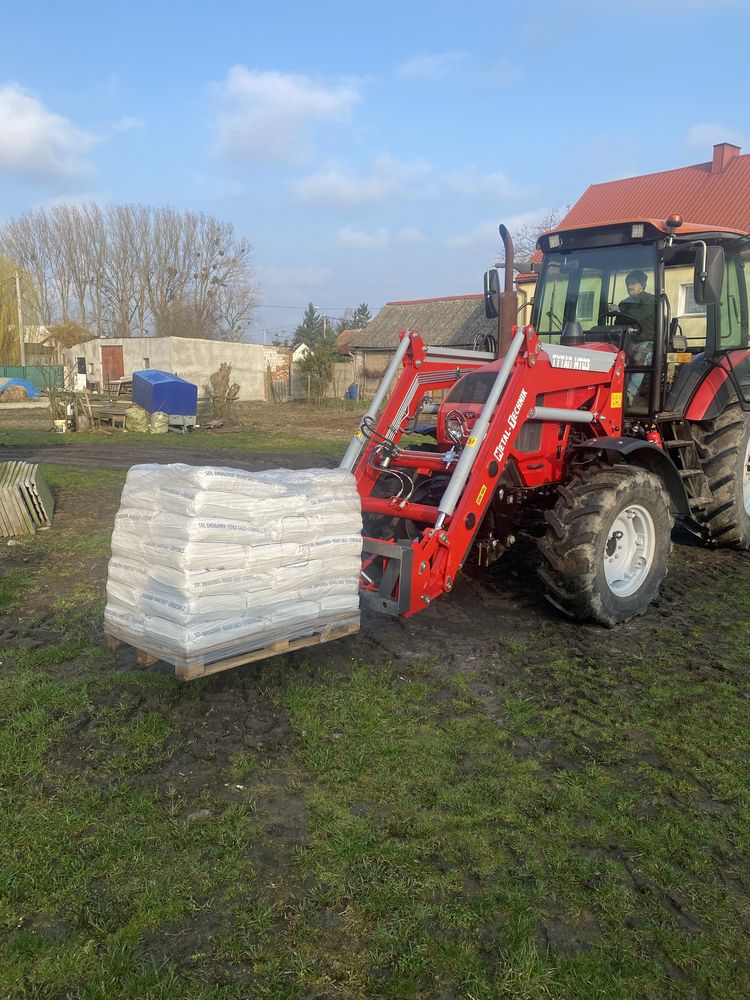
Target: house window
<point x="585" y="310"/>
<point x="146" y="363"/>
<point x="687" y="304"/>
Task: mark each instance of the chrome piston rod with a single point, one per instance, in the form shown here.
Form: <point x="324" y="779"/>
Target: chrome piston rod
<point x="561" y="416"/>
<point x="355" y="445"/>
<point x="479" y="432"/>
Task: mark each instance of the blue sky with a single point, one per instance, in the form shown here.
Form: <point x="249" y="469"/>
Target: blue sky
<point x="367" y="153"/>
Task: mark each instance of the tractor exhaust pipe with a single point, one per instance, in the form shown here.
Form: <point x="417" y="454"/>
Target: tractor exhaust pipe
<point x="502" y="306"/>
<point x="508" y="312"/>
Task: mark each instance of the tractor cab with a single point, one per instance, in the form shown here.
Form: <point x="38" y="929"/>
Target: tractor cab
<point x="669" y="295"/>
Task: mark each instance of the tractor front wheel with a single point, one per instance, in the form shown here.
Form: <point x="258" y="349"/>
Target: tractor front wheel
<point x="607" y="544"/>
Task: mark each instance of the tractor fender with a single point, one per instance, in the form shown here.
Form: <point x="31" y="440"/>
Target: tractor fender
<point x="713" y="389"/>
<point x="646" y="455"/>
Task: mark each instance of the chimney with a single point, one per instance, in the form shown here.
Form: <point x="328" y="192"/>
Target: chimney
<point x="724" y="153"/>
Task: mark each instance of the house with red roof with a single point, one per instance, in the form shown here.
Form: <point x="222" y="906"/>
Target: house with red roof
<point x="715" y="193"/>
<point x="711" y="194"/>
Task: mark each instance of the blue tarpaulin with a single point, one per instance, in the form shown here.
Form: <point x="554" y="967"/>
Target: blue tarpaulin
<point x="31" y="390"/>
<point x="161" y="391"/>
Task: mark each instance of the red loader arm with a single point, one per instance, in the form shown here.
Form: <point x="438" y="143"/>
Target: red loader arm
<point x="403" y="575"/>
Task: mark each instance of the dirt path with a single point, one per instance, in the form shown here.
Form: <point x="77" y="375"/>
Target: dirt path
<point x="122" y="456"/>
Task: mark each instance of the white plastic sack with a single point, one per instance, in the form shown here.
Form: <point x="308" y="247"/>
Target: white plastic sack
<point x="207" y="560"/>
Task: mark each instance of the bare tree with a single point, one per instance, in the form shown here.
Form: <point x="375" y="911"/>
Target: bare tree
<point x="525" y="236"/>
<point x="236" y="299"/>
<point x="132" y="270"/>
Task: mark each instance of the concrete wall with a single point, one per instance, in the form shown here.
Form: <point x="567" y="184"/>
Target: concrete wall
<point x="369" y="368"/>
<point x="194" y="360"/>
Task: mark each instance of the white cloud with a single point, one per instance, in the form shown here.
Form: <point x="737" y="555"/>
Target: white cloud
<point x="431" y="67"/>
<point x="358" y="239"/>
<point x="470" y="183"/>
<point x="704" y="136"/>
<point x="388" y="179"/>
<point x="409" y="235"/>
<point x="485" y="235"/>
<point x="340" y="187"/>
<point x="38" y="143"/>
<point x="126" y="124"/>
<point x="267" y="115"/>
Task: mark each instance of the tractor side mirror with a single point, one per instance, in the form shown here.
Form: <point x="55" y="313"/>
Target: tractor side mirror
<point x="492" y="293"/>
<point x="708" y="277"/>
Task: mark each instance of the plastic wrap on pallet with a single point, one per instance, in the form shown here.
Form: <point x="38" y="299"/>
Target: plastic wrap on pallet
<point x="209" y="563"/>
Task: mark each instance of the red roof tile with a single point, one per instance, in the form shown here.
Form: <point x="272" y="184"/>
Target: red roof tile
<point x="344" y="340"/>
<point x="703" y="194"/>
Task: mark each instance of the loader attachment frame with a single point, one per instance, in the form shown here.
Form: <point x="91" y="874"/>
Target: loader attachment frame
<point x="403" y="571"/>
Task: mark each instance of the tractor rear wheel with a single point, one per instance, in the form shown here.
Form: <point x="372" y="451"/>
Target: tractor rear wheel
<point x="607" y="544"/>
<point x="724" y="452"/>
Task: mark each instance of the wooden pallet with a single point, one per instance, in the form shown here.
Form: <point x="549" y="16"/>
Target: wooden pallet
<point x="25" y="500"/>
<point x="192" y="671"/>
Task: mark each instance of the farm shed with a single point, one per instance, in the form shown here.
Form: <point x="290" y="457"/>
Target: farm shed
<point x="107" y="360"/>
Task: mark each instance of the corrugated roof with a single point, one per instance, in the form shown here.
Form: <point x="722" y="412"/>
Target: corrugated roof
<point x="714" y="194"/>
<point x="344" y="340"/>
<point x="453" y="321"/>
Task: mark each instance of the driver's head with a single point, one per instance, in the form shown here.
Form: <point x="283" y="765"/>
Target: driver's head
<point x="635" y="282"/>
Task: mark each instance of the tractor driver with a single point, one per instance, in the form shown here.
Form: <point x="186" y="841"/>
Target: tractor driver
<point x="640" y="306"/>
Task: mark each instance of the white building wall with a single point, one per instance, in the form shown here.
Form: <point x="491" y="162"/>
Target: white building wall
<point x="194" y="360"/>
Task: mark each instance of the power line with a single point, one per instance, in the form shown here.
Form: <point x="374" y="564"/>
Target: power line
<point x="266" y="305"/>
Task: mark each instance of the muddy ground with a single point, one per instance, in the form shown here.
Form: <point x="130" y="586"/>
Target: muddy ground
<point x="502" y="604"/>
<point x="491" y="629"/>
<point x="96" y="456"/>
<point x="494" y="624"/>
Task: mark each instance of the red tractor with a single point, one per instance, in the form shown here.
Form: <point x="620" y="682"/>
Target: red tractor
<point x="621" y="406"/>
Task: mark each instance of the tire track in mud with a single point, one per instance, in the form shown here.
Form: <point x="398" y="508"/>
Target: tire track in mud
<point x="122" y="456"/>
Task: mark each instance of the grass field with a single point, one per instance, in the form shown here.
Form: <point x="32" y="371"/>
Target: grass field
<point x="261" y="428"/>
<point x="559" y="813"/>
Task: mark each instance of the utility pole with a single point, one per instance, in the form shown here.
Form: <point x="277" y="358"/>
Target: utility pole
<point x="20" y="321"/>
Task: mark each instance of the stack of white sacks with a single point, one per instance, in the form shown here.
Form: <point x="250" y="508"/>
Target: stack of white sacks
<point x="210" y="562"/>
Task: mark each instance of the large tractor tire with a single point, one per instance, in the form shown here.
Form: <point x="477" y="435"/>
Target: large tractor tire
<point x="607" y="544"/>
<point x="724" y="452"/>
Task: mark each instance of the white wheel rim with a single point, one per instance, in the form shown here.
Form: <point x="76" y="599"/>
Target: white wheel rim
<point x="746" y="479"/>
<point x="629" y="550"/>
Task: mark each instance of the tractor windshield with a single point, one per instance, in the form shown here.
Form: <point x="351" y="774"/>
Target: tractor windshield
<point x="598" y="288"/>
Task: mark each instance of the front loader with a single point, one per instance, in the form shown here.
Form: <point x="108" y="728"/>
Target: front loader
<point x="603" y="419"/>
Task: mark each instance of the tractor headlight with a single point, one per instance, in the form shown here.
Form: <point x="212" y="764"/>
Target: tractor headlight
<point x="455" y="426"/>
